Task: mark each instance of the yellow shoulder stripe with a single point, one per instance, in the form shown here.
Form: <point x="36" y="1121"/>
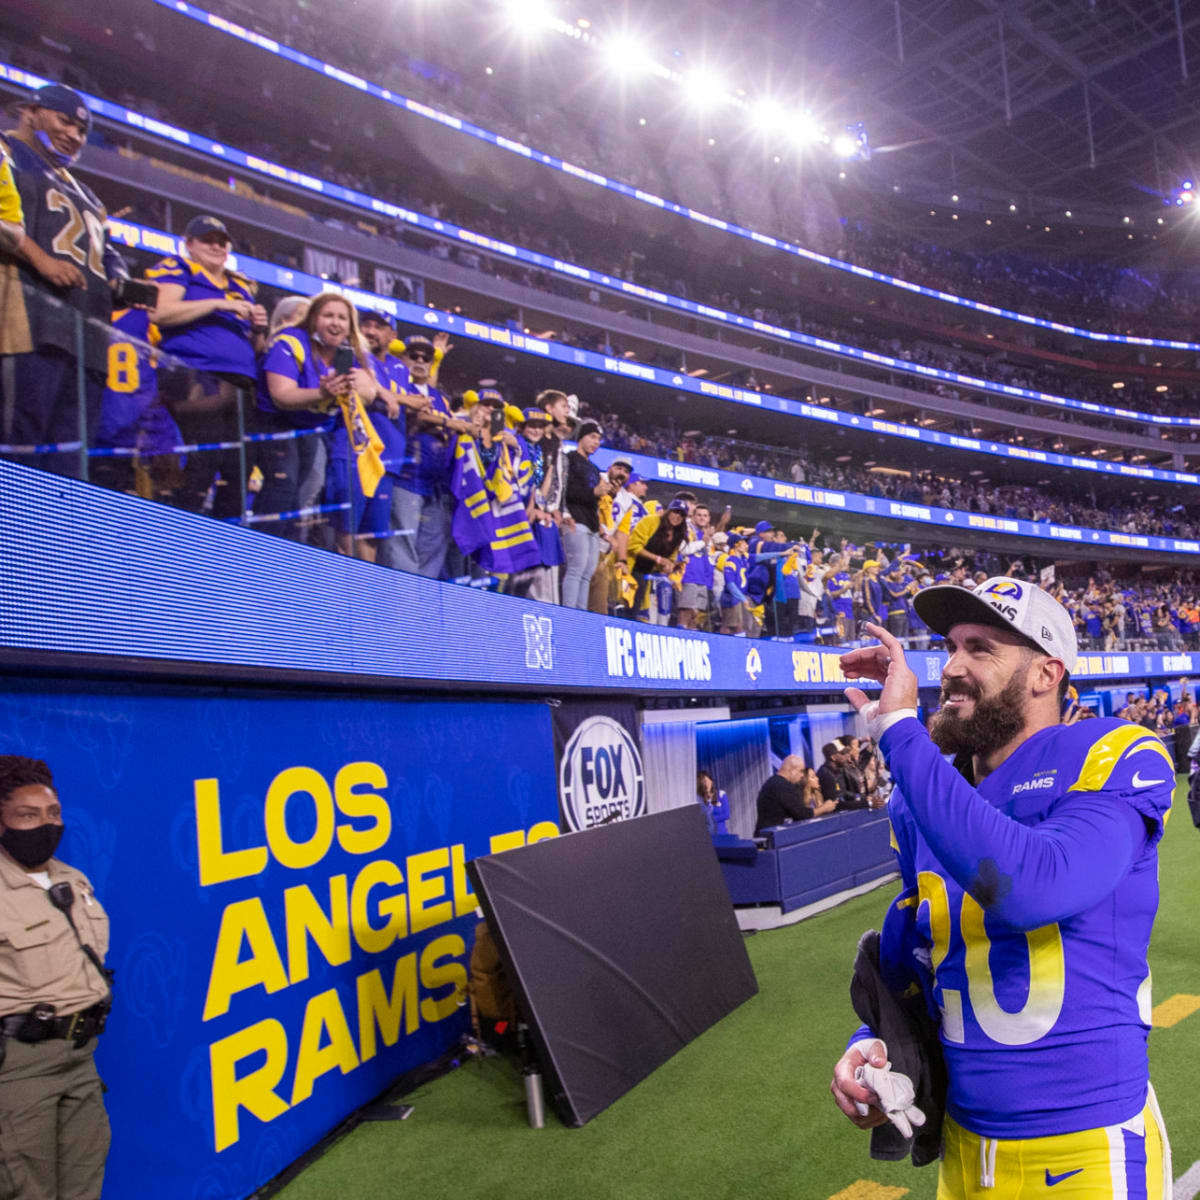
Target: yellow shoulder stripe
<point x="297" y="346"/>
<point x="168" y="266"/>
<point x="1104" y="755"/>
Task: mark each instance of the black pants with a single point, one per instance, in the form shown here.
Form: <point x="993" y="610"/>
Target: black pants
<point x="205" y="405"/>
<point x="40" y="405"/>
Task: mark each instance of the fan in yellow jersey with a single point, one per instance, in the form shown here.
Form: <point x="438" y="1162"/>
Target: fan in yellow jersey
<point x="1030" y="876"/>
<point x="14" y="328"/>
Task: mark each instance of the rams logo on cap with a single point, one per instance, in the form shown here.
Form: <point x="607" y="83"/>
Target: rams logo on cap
<point x="81" y="114"/>
<point x="1005" y="588"/>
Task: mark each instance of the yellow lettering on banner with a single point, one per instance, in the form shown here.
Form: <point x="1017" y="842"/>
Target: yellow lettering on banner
<point x="465" y="900"/>
<point x="436" y="975"/>
<point x="362" y="804"/>
<point x="376" y="1007"/>
<point x="421" y="890"/>
<point x="254" y="1092"/>
<point x="283" y="787"/>
<point x="512" y="840"/>
<point x="216" y="864"/>
<point x="305" y="918"/>
<point x="543" y="831"/>
<point x="832" y="666"/>
<point x="230" y="974"/>
<point x="370" y="938"/>
<point x="322" y="1015"/>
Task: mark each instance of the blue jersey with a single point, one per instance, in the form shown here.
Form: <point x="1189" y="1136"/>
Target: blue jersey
<point x="131" y="413"/>
<point x="429" y="452"/>
<point x="392" y="375"/>
<point x="843" y="604"/>
<point x="698" y="569"/>
<point x="291" y="354"/>
<point x="220" y="341"/>
<point x="1037" y="891"/>
<point x="872" y="598"/>
<point x="733" y="567"/>
<point x="894" y="593"/>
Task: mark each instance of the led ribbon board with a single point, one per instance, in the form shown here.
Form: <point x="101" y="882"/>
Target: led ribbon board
<point x="160" y="585"/>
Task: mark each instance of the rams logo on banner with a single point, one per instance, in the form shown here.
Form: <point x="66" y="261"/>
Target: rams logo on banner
<point x="600" y="778"/>
<point x="754" y="664"/>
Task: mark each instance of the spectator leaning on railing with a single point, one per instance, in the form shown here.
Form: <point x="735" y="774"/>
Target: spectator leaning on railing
<point x="581" y="526"/>
<point x="209" y="322"/>
<point x="302" y="373"/>
<point x="422" y="505"/>
<point x="55" y="235"/>
<point x="543" y="584"/>
<point x="293" y="468"/>
<point x="399" y="402"/>
<point x="654" y="547"/>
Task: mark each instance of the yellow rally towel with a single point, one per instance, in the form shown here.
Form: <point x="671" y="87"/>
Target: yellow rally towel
<point x="365" y="443"/>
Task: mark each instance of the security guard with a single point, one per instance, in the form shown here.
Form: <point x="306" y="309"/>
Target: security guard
<point x="54" y="997"/>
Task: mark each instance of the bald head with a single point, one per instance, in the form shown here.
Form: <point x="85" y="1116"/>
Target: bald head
<point x="792" y="768"/>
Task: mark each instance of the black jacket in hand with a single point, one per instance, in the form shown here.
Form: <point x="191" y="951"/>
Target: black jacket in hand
<point x="911" y="1035"/>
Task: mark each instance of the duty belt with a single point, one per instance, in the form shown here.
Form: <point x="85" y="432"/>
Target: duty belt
<point x="33" y="1027"/>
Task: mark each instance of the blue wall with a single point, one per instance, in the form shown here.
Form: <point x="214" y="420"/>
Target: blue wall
<point x="366" y="835"/>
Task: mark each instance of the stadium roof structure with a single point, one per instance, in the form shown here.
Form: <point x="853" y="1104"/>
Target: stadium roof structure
<point x="1094" y="100"/>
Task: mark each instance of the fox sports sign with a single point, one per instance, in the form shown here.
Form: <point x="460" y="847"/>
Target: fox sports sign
<point x="600" y="778"/>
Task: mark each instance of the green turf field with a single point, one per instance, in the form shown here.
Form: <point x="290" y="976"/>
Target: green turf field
<point x="743" y="1111"/>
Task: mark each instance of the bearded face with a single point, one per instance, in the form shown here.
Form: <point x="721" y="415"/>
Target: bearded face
<point x="973" y="723"/>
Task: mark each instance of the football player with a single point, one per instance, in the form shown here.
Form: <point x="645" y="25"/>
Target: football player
<point x="1030" y="869"/>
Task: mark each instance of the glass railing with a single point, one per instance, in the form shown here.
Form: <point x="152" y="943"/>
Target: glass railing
<point x="109" y="405"/>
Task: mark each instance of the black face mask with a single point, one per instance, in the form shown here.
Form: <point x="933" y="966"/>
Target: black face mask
<point x="32" y="847"/>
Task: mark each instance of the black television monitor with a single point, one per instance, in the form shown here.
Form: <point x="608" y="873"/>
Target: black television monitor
<point x="622" y="946"/>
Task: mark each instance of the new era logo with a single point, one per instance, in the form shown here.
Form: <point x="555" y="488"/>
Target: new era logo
<point x="539" y="643"/>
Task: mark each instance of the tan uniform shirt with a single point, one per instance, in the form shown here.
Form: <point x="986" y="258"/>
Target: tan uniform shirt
<point x="40" y="960"/>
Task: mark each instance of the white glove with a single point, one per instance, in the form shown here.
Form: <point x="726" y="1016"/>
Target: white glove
<point x="895" y="1094"/>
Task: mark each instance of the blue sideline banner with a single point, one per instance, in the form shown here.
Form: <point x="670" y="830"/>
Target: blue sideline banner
<point x="154" y="583"/>
<point x="291" y="917"/>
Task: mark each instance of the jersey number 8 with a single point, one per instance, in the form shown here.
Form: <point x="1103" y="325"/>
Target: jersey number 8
<point x="124" y="374"/>
<point x="1047" y="972"/>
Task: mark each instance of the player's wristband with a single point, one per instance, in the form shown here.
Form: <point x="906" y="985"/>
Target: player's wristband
<point x="879" y="723"/>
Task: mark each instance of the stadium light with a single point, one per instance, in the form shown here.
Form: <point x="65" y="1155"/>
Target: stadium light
<point x="704" y="89"/>
<point x="527" y="16"/>
<point x="853" y="142"/>
<point x="626" y="54"/>
<point x="768" y="116"/>
<point x="844" y="146"/>
<point x="805" y="129"/>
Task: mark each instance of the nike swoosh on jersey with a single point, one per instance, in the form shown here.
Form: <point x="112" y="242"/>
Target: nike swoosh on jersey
<point x="1139" y="782"/>
<point x="1051" y="1180"/>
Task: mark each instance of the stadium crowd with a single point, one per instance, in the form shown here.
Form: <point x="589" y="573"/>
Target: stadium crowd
<point x="897" y="481"/>
<point x="719" y="281"/>
<point x="597" y="139"/>
<point x="352" y="442"/>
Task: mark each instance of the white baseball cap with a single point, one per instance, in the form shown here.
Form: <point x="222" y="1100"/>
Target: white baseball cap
<point x="1009" y="604"/>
